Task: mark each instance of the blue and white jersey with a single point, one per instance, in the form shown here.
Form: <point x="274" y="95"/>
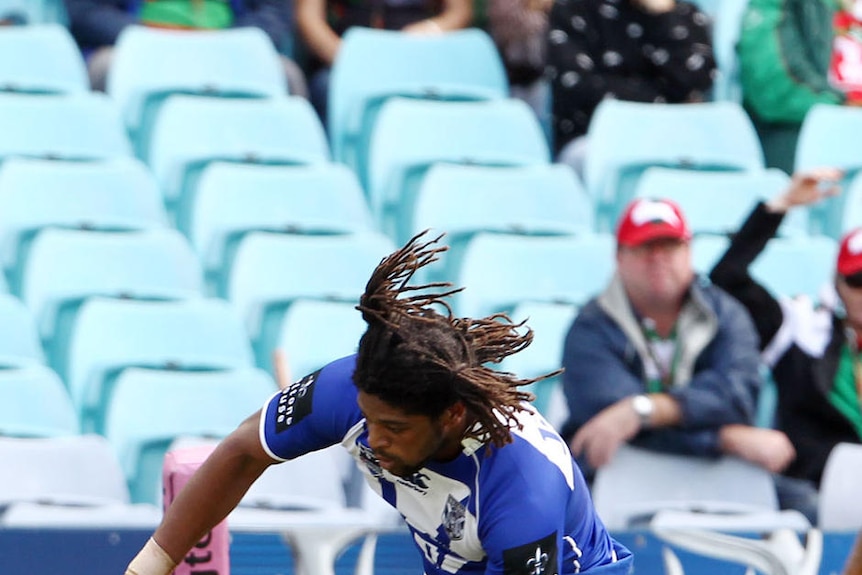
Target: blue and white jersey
<point x="521" y="509"/>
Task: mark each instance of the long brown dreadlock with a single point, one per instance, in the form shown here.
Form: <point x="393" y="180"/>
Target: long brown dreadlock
<point x="423" y="361"/>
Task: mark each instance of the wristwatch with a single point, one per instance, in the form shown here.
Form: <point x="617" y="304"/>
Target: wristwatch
<point x="644" y="407"/>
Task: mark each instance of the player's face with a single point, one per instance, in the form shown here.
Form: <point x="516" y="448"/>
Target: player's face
<point x="403" y="442"/>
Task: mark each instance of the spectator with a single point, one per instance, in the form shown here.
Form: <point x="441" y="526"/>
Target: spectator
<point x="483" y="481"/>
<point x="520" y="30"/>
<point x="667" y="362"/>
<point x="811" y="349"/>
<point x="96" y="24"/>
<point x="321" y="24"/>
<point x="785" y="49"/>
<point x="639" y="50"/>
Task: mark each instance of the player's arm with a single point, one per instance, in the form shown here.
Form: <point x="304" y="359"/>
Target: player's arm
<point x="212" y="492"/>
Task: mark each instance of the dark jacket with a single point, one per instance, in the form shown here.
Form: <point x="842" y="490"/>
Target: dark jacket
<point x="716" y="381"/>
<point x="610" y="48"/>
<point x="801" y="343"/>
<point x="96" y="23"/>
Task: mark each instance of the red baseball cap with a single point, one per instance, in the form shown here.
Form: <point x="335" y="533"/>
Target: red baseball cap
<point x="850" y="253"/>
<point x="645" y="220"/>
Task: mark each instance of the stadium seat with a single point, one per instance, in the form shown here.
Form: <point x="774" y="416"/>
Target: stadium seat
<point x="46" y="60"/>
<point x="412" y="135"/>
<point x="34" y="403"/>
<point x="110" y="335"/>
<point x="788" y="267"/>
<point x="19" y="339"/>
<point x="839" y="506"/>
<point x="150" y="408"/>
<point x="63" y="268"/>
<point x="637" y="484"/>
<point x="112" y="195"/>
<point x="500" y="271"/>
<point x="458" y="66"/>
<point x="234" y="199"/>
<point x="83" y="126"/>
<point x="727" y="25"/>
<point x="271" y="271"/>
<point x="625" y="138"/>
<point x="550" y="322"/>
<point x="718" y="202"/>
<point x="463" y="200"/>
<point x="822" y="142"/>
<point x="851" y="214"/>
<point x="316" y="332"/>
<point x="191" y="132"/>
<point x="33" y="12"/>
<point x="151" y="64"/>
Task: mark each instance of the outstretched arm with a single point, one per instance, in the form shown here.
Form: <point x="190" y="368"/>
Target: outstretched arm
<point x="212" y="492"/>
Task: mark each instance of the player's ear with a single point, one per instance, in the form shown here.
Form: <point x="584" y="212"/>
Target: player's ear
<point x="454" y="416"/>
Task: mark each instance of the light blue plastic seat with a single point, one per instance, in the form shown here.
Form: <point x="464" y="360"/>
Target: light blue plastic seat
<point x="34" y="403"/>
<point x="412" y="135"/>
<point x="463" y="200"/>
<point x="34" y="12"/>
<point x="271" y="271"/>
<point x="727" y="25"/>
<point x="149" y="409"/>
<point x="150" y="65"/>
<point x="316" y="332"/>
<point x="719" y="202"/>
<point x="192" y="132"/>
<point x="500" y="271"/>
<point x="63" y="268"/>
<point x="118" y="194"/>
<point x="457" y="66"/>
<point x="851" y="214"/>
<point x="625" y="138"/>
<point x="111" y="335"/>
<point x="550" y="322"/>
<point x="46" y="60"/>
<point x="823" y="142"/>
<point x="83" y="126"/>
<point x="234" y="199"/>
<point x="19" y="339"/>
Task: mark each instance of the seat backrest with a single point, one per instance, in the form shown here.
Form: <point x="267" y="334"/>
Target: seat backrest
<point x="192" y="131"/>
<point x="727" y="26"/>
<point x="233" y="199"/>
<point x="19" y="339"/>
<point x="627" y="137"/>
<point x="308" y="267"/>
<point x="150" y="408"/>
<point x="839" y="504"/>
<point x="462" y="200"/>
<point x="64" y="267"/>
<point x="851" y="216"/>
<point x="307" y="339"/>
<point x="638" y="483"/>
<point x="500" y="271"/>
<point x="822" y="142"/>
<point x="312" y="481"/>
<point x="111" y="335"/>
<point x="150" y="64"/>
<point x="464" y="64"/>
<point x="118" y="194"/>
<point x="46" y="60"/>
<point x="718" y="202"/>
<point x="34" y="403"/>
<point x="83" y="126"/>
<point x="414" y="134"/>
<point x="80" y="469"/>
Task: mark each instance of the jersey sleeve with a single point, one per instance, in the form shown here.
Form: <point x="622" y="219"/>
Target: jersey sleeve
<point x="312" y="413"/>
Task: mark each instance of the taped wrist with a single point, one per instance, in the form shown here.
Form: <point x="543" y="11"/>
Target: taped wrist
<point x="151" y="560"/>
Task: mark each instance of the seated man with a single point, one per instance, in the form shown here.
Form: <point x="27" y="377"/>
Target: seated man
<point x="666" y="361"/>
<point x="812" y="348"/>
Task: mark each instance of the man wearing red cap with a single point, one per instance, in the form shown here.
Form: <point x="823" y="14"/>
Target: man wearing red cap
<point x="663" y="360"/>
<point x="812" y="348"/>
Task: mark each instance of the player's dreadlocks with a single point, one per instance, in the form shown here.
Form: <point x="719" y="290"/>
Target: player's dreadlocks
<point x="423" y="361"/>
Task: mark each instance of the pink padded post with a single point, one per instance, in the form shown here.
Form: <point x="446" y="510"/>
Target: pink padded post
<point x="211" y="555"/>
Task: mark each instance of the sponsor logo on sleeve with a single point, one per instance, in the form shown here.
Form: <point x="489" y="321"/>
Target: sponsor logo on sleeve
<point x="536" y="558"/>
<point x="294" y="403"/>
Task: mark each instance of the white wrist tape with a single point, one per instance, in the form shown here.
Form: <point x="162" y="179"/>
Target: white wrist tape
<point x="151" y="560"/>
